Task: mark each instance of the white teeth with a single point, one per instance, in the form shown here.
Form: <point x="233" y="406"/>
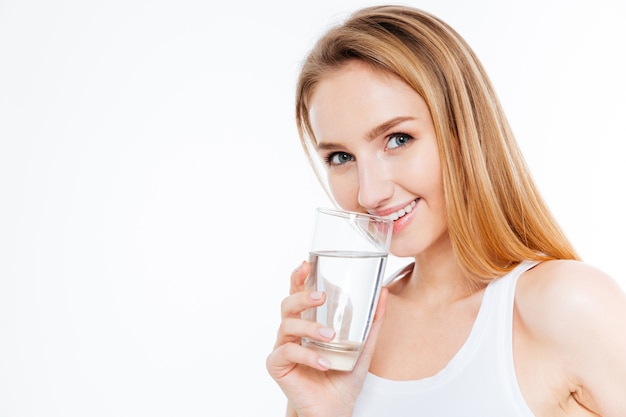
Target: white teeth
<point x="400" y="213"/>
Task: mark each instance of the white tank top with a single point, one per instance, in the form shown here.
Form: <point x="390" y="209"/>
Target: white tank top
<point x="480" y="379"/>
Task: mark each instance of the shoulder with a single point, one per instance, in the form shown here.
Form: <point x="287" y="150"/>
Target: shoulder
<point x="578" y="313"/>
<point x="566" y="287"/>
<point x="567" y="295"/>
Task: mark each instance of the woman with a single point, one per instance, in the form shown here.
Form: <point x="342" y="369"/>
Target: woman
<point x="497" y="316"/>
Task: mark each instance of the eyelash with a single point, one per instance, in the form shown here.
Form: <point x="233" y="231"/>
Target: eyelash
<point x="328" y="159"/>
<point x="406" y="136"/>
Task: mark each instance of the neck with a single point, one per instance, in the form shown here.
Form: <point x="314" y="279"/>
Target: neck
<point x="437" y="278"/>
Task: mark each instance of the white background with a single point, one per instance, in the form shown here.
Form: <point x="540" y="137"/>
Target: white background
<point x="154" y="198"/>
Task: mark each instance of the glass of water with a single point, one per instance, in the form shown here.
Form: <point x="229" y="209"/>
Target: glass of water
<point x="348" y="256"/>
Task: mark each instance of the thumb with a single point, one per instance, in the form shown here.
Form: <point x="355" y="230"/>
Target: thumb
<point x="365" y="359"/>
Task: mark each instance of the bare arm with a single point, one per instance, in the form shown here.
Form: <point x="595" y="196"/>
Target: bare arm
<point x="580" y="312"/>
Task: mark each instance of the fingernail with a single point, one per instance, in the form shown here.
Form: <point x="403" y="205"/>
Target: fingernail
<point x="324" y="363"/>
<point x="326" y="332"/>
<point x="316" y="295"/>
<point x="299" y="267"/>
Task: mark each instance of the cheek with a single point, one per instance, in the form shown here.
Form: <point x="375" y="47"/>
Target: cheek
<point x="426" y="171"/>
<point x="344" y="191"/>
<point x="437" y="182"/>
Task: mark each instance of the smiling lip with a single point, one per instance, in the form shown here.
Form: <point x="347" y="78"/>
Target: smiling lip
<point x="398" y="214"/>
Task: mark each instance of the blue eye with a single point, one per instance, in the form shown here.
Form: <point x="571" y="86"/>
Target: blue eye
<point x="397" y="140"/>
<point x="338" y="158"/>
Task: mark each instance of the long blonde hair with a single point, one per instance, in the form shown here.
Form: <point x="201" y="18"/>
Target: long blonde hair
<point x="496" y="216"/>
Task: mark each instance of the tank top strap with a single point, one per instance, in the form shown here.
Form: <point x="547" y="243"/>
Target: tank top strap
<point x="501" y="330"/>
<point x="505" y="286"/>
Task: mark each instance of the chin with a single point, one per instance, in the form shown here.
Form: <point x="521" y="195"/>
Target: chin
<point x="402" y="251"/>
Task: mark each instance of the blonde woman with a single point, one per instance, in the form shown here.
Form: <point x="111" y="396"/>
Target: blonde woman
<point x="497" y="316"/>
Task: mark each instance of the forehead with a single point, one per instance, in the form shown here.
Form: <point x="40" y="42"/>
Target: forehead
<point x="354" y="98"/>
<point x="352" y="81"/>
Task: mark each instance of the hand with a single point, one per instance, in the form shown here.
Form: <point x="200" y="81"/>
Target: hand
<point x="303" y="375"/>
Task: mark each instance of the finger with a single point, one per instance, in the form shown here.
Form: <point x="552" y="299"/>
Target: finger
<point x="292" y="330"/>
<point x="365" y="359"/>
<point x="285" y="358"/>
<point x="295" y="304"/>
<point x="379" y="315"/>
<point x="298" y="276"/>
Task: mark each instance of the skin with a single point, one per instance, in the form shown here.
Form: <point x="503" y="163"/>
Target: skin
<point x="569" y="329"/>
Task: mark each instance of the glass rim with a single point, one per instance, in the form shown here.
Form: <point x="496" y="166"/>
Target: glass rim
<point x="351" y="214"/>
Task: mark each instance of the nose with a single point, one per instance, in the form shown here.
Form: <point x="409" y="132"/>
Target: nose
<point x="375" y="186"/>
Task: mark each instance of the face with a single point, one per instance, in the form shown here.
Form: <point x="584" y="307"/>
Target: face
<point x="376" y="135"/>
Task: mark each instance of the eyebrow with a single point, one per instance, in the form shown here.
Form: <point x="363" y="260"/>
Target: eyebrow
<point x="372" y="134"/>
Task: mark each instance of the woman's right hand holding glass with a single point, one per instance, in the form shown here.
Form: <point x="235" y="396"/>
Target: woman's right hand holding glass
<point x="303" y="375"/>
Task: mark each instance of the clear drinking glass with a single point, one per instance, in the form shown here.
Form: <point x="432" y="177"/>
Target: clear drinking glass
<point x="348" y="257"/>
